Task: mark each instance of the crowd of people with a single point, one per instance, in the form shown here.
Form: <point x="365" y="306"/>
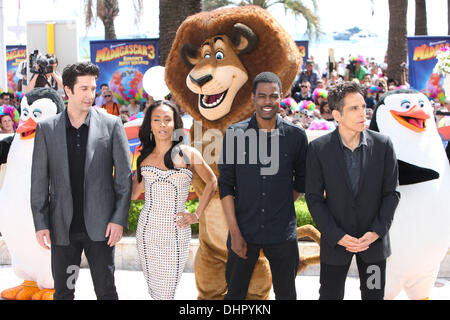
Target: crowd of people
<point x="306" y="103"/>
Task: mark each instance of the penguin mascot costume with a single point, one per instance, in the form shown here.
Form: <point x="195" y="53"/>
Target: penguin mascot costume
<point x="420" y="231"/>
<point x="29" y="260"/>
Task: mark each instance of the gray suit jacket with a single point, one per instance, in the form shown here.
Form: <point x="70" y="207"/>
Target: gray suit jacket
<point x="106" y="196"/>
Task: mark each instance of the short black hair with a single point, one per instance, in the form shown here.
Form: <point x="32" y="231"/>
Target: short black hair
<point x="104" y="85"/>
<point x="73" y="71"/>
<point x="337" y="93"/>
<point x="266" y="77"/>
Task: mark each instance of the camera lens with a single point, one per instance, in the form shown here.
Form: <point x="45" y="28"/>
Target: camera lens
<point x="42" y="62"/>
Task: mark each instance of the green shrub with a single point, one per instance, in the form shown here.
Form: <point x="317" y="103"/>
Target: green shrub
<point x="136" y="208"/>
<point x="133" y="217"/>
<point x="301" y="211"/>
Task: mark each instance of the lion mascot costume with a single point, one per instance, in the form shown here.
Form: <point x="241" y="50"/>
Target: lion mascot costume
<point x="213" y="61"/>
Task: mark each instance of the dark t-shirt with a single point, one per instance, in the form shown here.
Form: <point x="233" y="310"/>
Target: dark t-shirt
<point x="76" y="151"/>
<point x="43" y="82"/>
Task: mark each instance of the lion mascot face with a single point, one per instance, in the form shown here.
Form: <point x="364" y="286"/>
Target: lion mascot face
<point x="215" y="57"/>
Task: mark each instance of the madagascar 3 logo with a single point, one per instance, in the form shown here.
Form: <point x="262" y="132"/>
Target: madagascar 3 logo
<point x="17" y="55"/>
<point x="427" y="52"/>
<point x="133" y="54"/>
<point x="302" y="50"/>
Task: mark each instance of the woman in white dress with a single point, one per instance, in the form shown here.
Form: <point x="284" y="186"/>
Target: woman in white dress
<point x="164" y="172"/>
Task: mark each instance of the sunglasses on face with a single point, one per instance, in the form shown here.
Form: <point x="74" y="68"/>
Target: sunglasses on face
<point x="107" y="95"/>
<point x="303" y="86"/>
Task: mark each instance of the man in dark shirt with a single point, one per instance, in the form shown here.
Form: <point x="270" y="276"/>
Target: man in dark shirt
<point x="262" y="173"/>
<point x="301" y="91"/>
<point x="76" y="150"/>
<point x="351" y="182"/>
<point x="309" y="75"/>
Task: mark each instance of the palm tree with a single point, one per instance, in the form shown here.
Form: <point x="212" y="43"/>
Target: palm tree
<point x="171" y="14"/>
<point x="421" y="18"/>
<point x="297" y="7"/>
<point x="107" y="11"/>
<point x="397" y="47"/>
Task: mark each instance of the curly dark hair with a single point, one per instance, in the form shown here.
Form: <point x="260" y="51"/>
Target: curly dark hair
<point x="337" y="93"/>
<point x="73" y="71"/>
<point x="148" y="143"/>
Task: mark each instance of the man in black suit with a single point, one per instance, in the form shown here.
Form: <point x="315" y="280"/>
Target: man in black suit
<point x="351" y="181"/>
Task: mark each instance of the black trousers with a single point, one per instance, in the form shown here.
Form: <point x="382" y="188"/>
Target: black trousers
<point x="283" y="260"/>
<point x="372" y="278"/>
<point x="66" y="261"/>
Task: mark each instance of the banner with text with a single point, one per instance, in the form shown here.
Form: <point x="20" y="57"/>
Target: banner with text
<point x="302" y="46"/>
<point x="15" y="55"/>
<point x="422" y="59"/>
<point x="123" y="63"/>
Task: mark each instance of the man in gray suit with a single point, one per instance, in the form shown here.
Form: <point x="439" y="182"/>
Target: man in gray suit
<point x="81" y="186"/>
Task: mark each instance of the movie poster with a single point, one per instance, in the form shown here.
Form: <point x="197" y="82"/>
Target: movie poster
<point x="302" y="46"/>
<point x="15" y="55"/>
<point x="422" y="59"/>
<point x="123" y="63"/>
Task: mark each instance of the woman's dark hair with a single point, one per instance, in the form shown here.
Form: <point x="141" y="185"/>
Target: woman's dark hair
<point x="148" y="142"/>
<point x="322" y="106"/>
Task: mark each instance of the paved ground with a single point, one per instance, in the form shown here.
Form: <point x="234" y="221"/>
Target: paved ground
<point x="131" y="286"/>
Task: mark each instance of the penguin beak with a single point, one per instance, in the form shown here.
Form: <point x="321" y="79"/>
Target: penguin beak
<point x="27" y="129"/>
<point x="413" y="119"/>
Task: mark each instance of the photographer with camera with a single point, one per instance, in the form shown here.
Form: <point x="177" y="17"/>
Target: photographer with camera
<point x="355" y="70"/>
<point x="309" y="75"/>
<point x="43" y="68"/>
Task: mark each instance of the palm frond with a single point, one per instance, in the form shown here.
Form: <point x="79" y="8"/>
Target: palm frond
<point x="107" y="9"/>
<point x="88" y="7"/>
<point x="208" y="5"/>
<point x="138" y="10"/>
<point x="299" y="9"/>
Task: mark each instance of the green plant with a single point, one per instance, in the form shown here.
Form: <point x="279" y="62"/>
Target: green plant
<point x="136" y="208"/>
<point x="191" y="206"/>
<point x="133" y="217"/>
<point x="302" y="213"/>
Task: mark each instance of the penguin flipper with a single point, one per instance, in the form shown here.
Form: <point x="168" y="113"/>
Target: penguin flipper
<point x="5" y="144"/>
<point x="447" y="150"/>
<point x="411" y="174"/>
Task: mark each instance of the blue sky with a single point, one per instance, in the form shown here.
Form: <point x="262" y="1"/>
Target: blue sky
<point x="335" y="16"/>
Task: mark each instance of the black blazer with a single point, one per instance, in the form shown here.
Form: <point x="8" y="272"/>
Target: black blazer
<point x="338" y="212"/>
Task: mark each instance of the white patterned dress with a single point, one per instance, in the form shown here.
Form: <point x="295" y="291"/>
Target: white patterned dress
<point x="163" y="247"/>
